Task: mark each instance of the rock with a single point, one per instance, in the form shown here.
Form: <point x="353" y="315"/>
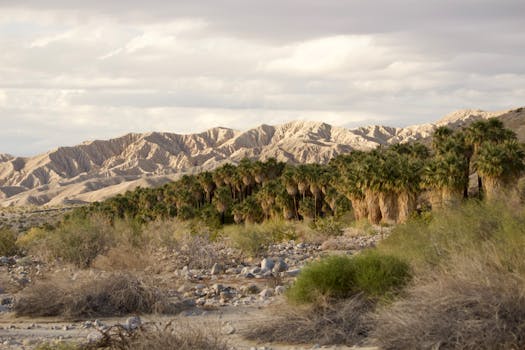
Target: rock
<point x="293" y="273"/>
<point x="266" y="293"/>
<point x="267" y="264"/>
<point x="217" y="288"/>
<point x="279" y="290"/>
<point x="94" y="337"/>
<point x="250" y="289"/>
<point x="280" y="266"/>
<point x="255" y="270"/>
<point x="133" y="323"/>
<point x="228" y="329"/>
<point x="216" y="269"/>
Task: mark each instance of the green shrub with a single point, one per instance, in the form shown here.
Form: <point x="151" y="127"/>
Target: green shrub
<point x="8" y="245"/>
<point x="369" y="273"/>
<point x="491" y="234"/>
<point x="249" y="239"/>
<point x="254" y="239"/>
<point x="329" y="226"/>
<point x="80" y="241"/>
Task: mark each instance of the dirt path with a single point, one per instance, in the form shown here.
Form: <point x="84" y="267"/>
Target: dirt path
<point x="23" y="333"/>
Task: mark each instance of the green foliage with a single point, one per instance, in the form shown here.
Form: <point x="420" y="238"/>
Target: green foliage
<point x="489" y="234"/>
<point x="8" y="244"/>
<point x="370" y="273"/>
<point x="80" y="241"/>
<point x="329" y="226"/>
<point x="253" y="239"/>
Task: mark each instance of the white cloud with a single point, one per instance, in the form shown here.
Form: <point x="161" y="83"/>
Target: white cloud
<point x="100" y="69"/>
<point x="329" y="55"/>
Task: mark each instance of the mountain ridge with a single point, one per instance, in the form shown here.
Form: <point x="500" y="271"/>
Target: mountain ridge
<point x="94" y="170"/>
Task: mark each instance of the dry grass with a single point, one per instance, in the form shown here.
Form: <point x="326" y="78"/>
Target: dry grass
<point x="481" y="311"/>
<point x="343" y="322"/>
<point x="168" y="336"/>
<point x="123" y="258"/>
<point x="113" y="295"/>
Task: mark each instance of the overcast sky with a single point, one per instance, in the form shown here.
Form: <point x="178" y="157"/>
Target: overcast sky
<point x="75" y="70"/>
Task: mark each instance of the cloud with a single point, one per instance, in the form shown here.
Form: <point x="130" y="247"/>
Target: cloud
<point x="75" y="70"/>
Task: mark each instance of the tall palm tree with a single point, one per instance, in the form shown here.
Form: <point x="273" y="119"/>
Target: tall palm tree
<point x="444" y="176"/>
<point x="208" y="185"/>
<point x="301" y="178"/>
<point x="369" y="179"/>
<point x="483" y="131"/>
<point x="500" y="166"/>
<point x="408" y="182"/>
<point x="222" y="201"/>
<point x="288" y="180"/>
<point x="347" y="181"/>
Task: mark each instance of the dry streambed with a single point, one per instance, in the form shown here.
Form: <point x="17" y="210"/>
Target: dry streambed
<point x="228" y="297"/>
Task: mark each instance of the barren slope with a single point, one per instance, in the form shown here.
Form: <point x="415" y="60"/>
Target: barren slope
<point x="95" y="170"/>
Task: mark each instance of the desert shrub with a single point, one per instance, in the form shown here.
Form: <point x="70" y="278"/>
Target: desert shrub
<point x="484" y="311"/>
<point x="254" y="239"/>
<point x="198" y="251"/>
<point x="8" y="245"/>
<point x="328" y="226"/>
<point x="492" y="233"/>
<point x="80" y="240"/>
<point x="112" y="295"/>
<point x="123" y="258"/>
<point x="158" y="336"/>
<point x="343" y="322"/>
<point x="27" y="241"/>
<point x="369" y="273"/>
<point x="58" y="346"/>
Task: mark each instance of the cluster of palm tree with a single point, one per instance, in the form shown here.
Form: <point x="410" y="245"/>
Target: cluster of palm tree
<point x="382" y="185"/>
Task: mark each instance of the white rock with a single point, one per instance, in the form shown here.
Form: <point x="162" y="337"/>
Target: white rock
<point x="93" y="337"/>
<point x="267" y="264"/>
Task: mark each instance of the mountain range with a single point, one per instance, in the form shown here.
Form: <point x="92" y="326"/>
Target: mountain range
<point x="95" y="170"/>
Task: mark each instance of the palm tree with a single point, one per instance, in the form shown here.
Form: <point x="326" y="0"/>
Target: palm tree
<point x="408" y="183"/>
<point x="444" y="176"/>
<point x="301" y="178"/>
<point x="222" y="201"/>
<point x="288" y="180"/>
<point x="500" y="166"/>
<point x="208" y="185"/>
<point x="482" y="131"/>
<point x="246" y="170"/>
<point x="266" y="197"/>
<point x="369" y="179"/>
<point x="347" y="181"/>
<point x="314" y="177"/>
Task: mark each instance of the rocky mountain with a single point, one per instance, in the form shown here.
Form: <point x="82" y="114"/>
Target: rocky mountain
<point x="95" y="170"/>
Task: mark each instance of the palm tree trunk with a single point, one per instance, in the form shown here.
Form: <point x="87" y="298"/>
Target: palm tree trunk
<point x="451" y="197"/>
<point x="406" y="203"/>
<point x="374" y="211"/>
<point x="388" y="207"/>
<point x="492" y="189"/>
<point x="436" y="199"/>
<point x="360" y="208"/>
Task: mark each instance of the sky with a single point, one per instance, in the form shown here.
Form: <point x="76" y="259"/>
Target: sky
<point x="75" y="70"/>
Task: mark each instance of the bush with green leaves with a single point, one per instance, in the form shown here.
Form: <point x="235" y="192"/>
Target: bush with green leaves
<point x="8" y="242"/>
<point x="80" y="240"/>
<point x="369" y="273"/>
<point x="254" y="239"/>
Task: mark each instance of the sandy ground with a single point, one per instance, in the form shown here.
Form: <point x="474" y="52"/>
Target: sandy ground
<point x="24" y="333"/>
